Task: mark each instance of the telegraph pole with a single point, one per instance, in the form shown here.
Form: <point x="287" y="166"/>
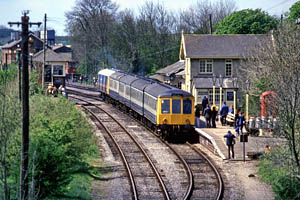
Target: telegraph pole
<point x="19" y="74"/>
<point x="25" y="105"/>
<point x="44" y="48"/>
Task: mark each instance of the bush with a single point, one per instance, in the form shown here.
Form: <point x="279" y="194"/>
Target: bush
<point x="60" y="137"/>
<point x="275" y="171"/>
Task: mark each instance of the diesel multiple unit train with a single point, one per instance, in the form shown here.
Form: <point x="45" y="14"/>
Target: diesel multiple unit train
<point x="162" y="107"/>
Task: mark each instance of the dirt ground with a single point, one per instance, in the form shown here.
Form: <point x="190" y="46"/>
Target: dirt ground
<point x="238" y="184"/>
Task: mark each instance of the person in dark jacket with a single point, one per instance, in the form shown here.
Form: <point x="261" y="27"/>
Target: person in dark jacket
<point x="207" y="115"/>
<point x="230" y="143"/>
<point x="197" y="116"/>
<point x="223" y="112"/>
<point x="197" y="112"/>
<point x="204" y="103"/>
<point x="240" y="122"/>
<point x="236" y="117"/>
<point x="214" y="113"/>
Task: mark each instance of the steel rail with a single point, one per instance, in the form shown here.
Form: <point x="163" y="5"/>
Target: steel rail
<point x="166" y="194"/>
<point x="217" y="173"/>
<point x="189" y="190"/>
<point x="133" y="185"/>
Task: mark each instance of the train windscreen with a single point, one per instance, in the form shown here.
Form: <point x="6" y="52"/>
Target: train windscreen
<point x="176" y="106"/>
<point x="187" y="106"/>
<point x="165" y="106"/>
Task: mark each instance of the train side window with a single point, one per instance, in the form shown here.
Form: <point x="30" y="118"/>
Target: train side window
<point x="165" y="106"/>
<point x="187" y="106"/>
<point x="127" y="90"/>
<point x="176" y="106"/>
<point x="121" y="88"/>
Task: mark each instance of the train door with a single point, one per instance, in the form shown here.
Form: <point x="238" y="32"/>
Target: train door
<point x="105" y="84"/>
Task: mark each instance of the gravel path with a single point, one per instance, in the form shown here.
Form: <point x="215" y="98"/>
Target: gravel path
<point x="238" y="184"/>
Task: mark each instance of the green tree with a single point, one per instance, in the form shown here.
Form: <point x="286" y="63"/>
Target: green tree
<point x="279" y="62"/>
<point x="60" y="137"/>
<point x="294" y="13"/>
<point x="9" y="130"/>
<point x="247" y="21"/>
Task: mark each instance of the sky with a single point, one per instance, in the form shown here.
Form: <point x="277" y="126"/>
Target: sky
<point x="11" y="10"/>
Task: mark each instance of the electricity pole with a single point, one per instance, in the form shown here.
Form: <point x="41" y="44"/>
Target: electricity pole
<point x="25" y="105"/>
<point x="44" y="48"/>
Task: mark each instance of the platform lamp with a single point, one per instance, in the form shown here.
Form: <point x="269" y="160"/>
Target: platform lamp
<point x="221" y="87"/>
<point x="214" y="80"/>
<point x="234" y="84"/>
<point x="248" y="85"/>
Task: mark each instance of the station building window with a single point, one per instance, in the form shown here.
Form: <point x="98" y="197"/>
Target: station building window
<point x="48" y="73"/>
<point x="200" y="94"/>
<point x="228" y="68"/>
<point x="205" y="66"/>
<point x="58" y="70"/>
<point x="217" y="96"/>
<point x="229" y="96"/>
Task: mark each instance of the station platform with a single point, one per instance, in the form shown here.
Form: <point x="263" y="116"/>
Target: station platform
<point x="213" y="139"/>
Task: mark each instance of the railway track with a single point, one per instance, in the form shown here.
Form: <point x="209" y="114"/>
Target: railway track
<point x="202" y="179"/>
<point x="131" y="152"/>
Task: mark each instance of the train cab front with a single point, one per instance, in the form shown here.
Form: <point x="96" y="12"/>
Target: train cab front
<point x="176" y="114"/>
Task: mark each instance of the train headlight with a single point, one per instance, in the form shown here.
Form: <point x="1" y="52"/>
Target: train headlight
<point x="188" y="122"/>
<point x="165" y="121"/>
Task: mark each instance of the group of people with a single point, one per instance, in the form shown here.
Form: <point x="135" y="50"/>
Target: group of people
<point x="210" y="113"/>
<point x="52" y="90"/>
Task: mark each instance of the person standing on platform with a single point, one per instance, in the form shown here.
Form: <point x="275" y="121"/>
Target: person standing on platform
<point x="231" y="109"/>
<point x="204" y="103"/>
<point x="207" y="115"/>
<point x="240" y="122"/>
<point x="214" y="114"/>
<point x="223" y="112"/>
<point x="197" y="116"/>
<point x="230" y="142"/>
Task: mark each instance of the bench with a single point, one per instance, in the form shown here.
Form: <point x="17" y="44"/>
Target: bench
<point x="230" y="119"/>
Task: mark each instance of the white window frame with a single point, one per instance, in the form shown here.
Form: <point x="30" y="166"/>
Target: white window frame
<point x="207" y="64"/>
<point x="228" y="67"/>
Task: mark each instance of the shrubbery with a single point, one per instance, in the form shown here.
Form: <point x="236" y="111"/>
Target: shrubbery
<point x="61" y="141"/>
<point x="275" y="170"/>
<point x="60" y="137"/>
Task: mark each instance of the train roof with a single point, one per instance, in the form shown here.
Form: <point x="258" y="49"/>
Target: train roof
<point x="163" y="90"/>
<point x="141" y="83"/>
<point x="175" y="92"/>
<point x="106" y="72"/>
<point x="117" y="75"/>
<point x="128" y="79"/>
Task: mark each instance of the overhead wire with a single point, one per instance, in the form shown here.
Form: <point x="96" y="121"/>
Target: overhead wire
<point x="276" y="5"/>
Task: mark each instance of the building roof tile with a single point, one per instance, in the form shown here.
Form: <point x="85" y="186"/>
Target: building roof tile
<point x="51" y="56"/>
<point x="174" y="68"/>
<point x="222" y="46"/>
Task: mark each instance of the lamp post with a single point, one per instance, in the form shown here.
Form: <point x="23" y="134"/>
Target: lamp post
<point x="221" y="85"/>
<point x="234" y="83"/>
<point x="214" y="79"/>
<point x="248" y="83"/>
